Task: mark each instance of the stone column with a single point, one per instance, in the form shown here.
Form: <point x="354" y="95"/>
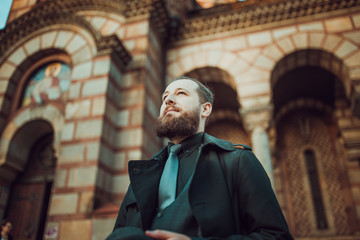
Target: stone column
<point x="257" y="121"/>
<point x="261" y="148"/>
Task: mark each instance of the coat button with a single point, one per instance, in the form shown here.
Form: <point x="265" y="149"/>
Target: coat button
<point x="160" y="214"/>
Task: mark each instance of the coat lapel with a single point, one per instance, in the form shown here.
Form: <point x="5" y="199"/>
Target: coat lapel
<point x="207" y="177"/>
<point x="144" y="177"/>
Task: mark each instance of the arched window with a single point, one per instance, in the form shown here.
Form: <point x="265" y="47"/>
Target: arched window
<point x="49" y="82"/>
<point x="313" y="175"/>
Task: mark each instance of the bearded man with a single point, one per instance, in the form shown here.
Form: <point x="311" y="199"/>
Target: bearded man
<point x="197" y="187"/>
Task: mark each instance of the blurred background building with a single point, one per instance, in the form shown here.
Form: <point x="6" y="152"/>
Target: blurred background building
<point x="80" y="87"/>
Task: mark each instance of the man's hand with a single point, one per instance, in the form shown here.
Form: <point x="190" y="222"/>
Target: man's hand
<point x="166" y="235"/>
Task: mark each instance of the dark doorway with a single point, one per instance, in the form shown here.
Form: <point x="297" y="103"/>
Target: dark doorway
<point x="30" y="192"/>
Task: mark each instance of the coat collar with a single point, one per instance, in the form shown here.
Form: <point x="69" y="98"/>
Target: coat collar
<point x="223" y="144"/>
<point x="208" y="140"/>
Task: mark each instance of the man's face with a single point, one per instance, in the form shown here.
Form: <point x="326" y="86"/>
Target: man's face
<point x="180" y="110"/>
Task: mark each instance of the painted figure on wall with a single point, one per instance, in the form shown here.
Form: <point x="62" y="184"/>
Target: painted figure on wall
<point x="49" y="83"/>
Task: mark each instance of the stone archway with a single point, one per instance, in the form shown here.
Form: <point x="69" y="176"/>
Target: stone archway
<point x="31" y="151"/>
<point x="305" y="95"/>
<point x="19" y="139"/>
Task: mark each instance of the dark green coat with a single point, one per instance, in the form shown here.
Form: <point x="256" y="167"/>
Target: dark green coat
<point x="230" y="195"/>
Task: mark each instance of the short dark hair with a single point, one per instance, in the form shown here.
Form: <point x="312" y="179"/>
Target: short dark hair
<point x="204" y="92"/>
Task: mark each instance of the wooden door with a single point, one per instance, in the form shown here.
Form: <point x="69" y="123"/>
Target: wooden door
<point x="26" y="210"/>
<point x="30" y="193"/>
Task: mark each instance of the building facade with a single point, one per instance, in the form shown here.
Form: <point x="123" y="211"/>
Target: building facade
<point x="80" y="87"/>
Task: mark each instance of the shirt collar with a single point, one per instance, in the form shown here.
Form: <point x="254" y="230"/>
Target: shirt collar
<point x="189" y="144"/>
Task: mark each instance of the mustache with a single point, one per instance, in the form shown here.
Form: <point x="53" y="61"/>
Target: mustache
<point x="171" y="108"/>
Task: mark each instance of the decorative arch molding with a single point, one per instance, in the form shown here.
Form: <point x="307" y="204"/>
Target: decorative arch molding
<point x="334" y="53"/>
<point x="47" y="113"/>
<point x="76" y="25"/>
<point x="60" y="12"/>
<point x="227" y="61"/>
<point x="310" y="57"/>
<point x="80" y="47"/>
<point x="32" y="26"/>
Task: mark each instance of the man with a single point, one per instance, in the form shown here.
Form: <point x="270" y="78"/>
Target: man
<point x="222" y="191"/>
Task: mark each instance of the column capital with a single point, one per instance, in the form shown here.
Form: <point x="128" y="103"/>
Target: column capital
<point x="257" y="117"/>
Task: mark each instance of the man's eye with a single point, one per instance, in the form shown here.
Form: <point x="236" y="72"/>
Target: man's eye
<point x="164" y="97"/>
<point x="181" y="92"/>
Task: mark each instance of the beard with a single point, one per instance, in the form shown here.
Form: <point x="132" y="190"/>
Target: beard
<point x="185" y="125"/>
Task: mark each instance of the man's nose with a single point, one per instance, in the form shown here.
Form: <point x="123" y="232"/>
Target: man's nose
<point x="169" y="100"/>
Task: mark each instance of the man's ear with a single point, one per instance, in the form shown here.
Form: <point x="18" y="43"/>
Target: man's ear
<point x="206" y="109"/>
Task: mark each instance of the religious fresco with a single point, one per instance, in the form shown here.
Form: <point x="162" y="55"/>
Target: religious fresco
<point x="48" y="83"/>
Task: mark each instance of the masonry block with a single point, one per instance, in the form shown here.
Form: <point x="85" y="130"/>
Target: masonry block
<point x="353" y="60"/>
<point x="97" y="22"/>
<point x="282" y="32"/>
<point x="6" y="70"/>
<point x="32" y="46"/>
<point x="273" y="52"/>
<point x="75" y="229"/>
<point x="123" y="118"/>
<point x="72" y="153"/>
<point x="353" y="36"/>
<point x="313" y="26"/>
<point x="339" y="24"/>
<point x="77" y="109"/>
<point x="250" y="55"/>
<point x="48" y="39"/>
<point x="106" y="156"/>
<point x="60" y="178"/>
<point x="129" y="138"/>
<point x="211" y="45"/>
<point x="109" y="27"/>
<point x="83" y="55"/>
<point x="74" y="90"/>
<point x="63" y="203"/>
<point x="98" y="106"/>
<point x="102" y="228"/>
<point x="259" y="39"/>
<point x="82" y="176"/>
<point x="316" y="40"/>
<point x="120" y="184"/>
<point x="63" y="38"/>
<point x="264" y="62"/>
<point x="89" y="128"/>
<point x="101" y="66"/>
<point x="119" y="161"/>
<point x="95" y="87"/>
<point x="286" y="45"/>
<point x="331" y="42"/>
<point x="136" y="30"/>
<point x="130" y="98"/>
<point x="18" y="56"/>
<point x="92" y="151"/>
<point x="345" y="49"/>
<point x="75" y="44"/>
<point x="137" y="115"/>
<point x="82" y="70"/>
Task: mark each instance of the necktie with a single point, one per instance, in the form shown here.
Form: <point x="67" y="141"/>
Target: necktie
<point x="168" y="181"/>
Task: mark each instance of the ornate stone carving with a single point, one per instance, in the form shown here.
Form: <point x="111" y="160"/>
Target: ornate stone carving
<point x="251" y="13"/>
<point x="112" y="45"/>
<point x="65" y="12"/>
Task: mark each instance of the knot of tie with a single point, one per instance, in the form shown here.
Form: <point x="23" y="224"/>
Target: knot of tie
<point x="175" y="148"/>
<point x="168" y="181"/>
